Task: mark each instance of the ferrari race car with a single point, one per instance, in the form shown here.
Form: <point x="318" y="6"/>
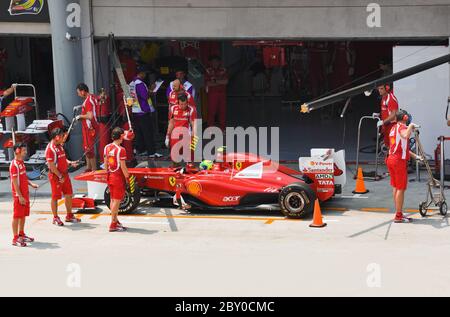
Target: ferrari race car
<point x="241" y="182"/>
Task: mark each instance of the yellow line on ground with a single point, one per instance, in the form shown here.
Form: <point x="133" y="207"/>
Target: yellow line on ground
<point x="412" y="210"/>
<point x="61" y="202"/>
<point x="335" y="209"/>
<point x="191" y="217"/>
<point x="269" y="222"/>
<point x="95" y="216"/>
<point x="375" y="209"/>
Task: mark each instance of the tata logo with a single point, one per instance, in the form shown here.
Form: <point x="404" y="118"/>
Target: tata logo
<point x="231" y="199"/>
<point x="325" y="183"/>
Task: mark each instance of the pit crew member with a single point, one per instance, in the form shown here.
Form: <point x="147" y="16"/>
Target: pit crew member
<point x="89" y="125"/>
<point x="187" y="86"/>
<point x="389" y="107"/>
<point x="115" y="158"/>
<point x="397" y="160"/>
<point x="58" y="176"/>
<point x="177" y="89"/>
<point x="21" y="196"/>
<point x="216" y="79"/>
<point x="181" y="115"/>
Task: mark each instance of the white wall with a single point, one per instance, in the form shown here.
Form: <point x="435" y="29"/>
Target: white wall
<point x="424" y="95"/>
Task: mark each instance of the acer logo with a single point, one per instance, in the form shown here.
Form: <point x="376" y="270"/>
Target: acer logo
<point x="230" y="199"/>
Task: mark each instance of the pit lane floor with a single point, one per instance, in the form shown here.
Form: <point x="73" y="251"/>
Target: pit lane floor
<point x="169" y="253"/>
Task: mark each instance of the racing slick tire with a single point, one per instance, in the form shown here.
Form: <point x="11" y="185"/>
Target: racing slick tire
<point x="297" y="201"/>
<point x="128" y="204"/>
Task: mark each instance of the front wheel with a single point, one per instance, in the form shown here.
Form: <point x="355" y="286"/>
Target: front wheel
<point x="297" y="200"/>
<point x="128" y="204"/>
<point x="423" y="209"/>
<point x="443" y="209"/>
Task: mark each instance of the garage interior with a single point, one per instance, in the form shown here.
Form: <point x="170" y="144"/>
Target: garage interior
<point x="29" y="60"/>
<point x="269" y="80"/>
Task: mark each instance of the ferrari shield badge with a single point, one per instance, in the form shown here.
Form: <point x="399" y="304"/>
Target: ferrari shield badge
<point x="33" y="7"/>
<point x="172" y="181"/>
<point x="238" y="166"/>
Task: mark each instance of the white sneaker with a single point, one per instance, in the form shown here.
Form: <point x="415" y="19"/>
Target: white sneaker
<point x="157" y="155"/>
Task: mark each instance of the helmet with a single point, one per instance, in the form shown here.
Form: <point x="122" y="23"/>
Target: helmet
<point x="206" y="165"/>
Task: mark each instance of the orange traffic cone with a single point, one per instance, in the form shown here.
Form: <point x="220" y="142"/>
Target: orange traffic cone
<point x="360" y="186"/>
<point x="317" y="219"/>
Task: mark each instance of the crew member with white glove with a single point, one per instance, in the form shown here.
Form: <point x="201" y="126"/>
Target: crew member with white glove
<point x="89" y="126"/>
<point x="181" y="116"/>
<point x="389" y="107"/>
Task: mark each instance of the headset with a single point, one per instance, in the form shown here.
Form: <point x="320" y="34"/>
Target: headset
<point x="57" y="134"/>
<point x="18" y="148"/>
<point x="403" y="115"/>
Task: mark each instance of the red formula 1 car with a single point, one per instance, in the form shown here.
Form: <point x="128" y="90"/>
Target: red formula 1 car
<point x="243" y="182"/>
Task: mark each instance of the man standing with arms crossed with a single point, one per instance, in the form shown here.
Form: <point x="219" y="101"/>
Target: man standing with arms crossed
<point x="216" y="79"/>
<point x="58" y="176"/>
<point x="115" y="158"/>
<point x="19" y="184"/>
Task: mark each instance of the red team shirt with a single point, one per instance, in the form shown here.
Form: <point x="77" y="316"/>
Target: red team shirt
<point x="398" y="157"/>
<point x="183" y="118"/>
<point x="389" y="104"/>
<point x="398" y="146"/>
<point x="114" y="154"/>
<point x="89" y="126"/>
<point x="18" y="170"/>
<point x="217" y="74"/>
<point x="173" y="99"/>
<point x="56" y="154"/>
<point x="116" y="180"/>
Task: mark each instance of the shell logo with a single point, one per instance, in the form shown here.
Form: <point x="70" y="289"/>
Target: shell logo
<point x="194" y="188"/>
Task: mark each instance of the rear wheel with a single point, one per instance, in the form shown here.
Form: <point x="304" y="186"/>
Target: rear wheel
<point x="128" y="204"/>
<point x="297" y="200"/>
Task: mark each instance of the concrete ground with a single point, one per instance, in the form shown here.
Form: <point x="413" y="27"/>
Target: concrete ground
<point x="169" y="253"/>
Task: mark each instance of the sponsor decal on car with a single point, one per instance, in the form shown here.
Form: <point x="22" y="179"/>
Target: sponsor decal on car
<point x="324" y="176"/>
<point x="231" y="199"/>
<point x="172" y="181"/>
<point x="238" y="166"/>
<point x="194" y="188"/>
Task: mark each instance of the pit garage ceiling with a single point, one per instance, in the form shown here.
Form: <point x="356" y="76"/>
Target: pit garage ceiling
<point x="305" y="19"/>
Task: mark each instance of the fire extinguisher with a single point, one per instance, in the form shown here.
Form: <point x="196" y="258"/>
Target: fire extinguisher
<point x="103" y="117"/>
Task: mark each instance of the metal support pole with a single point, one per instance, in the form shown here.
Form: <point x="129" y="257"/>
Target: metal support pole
<point x="373" y="117"/>
<point x="442" y="140"/>
<point x="417" y="162"/>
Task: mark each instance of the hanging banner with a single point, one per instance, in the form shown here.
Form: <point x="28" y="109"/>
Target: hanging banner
<point x="24" y="11"/>
<point x="19" y="7"/>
